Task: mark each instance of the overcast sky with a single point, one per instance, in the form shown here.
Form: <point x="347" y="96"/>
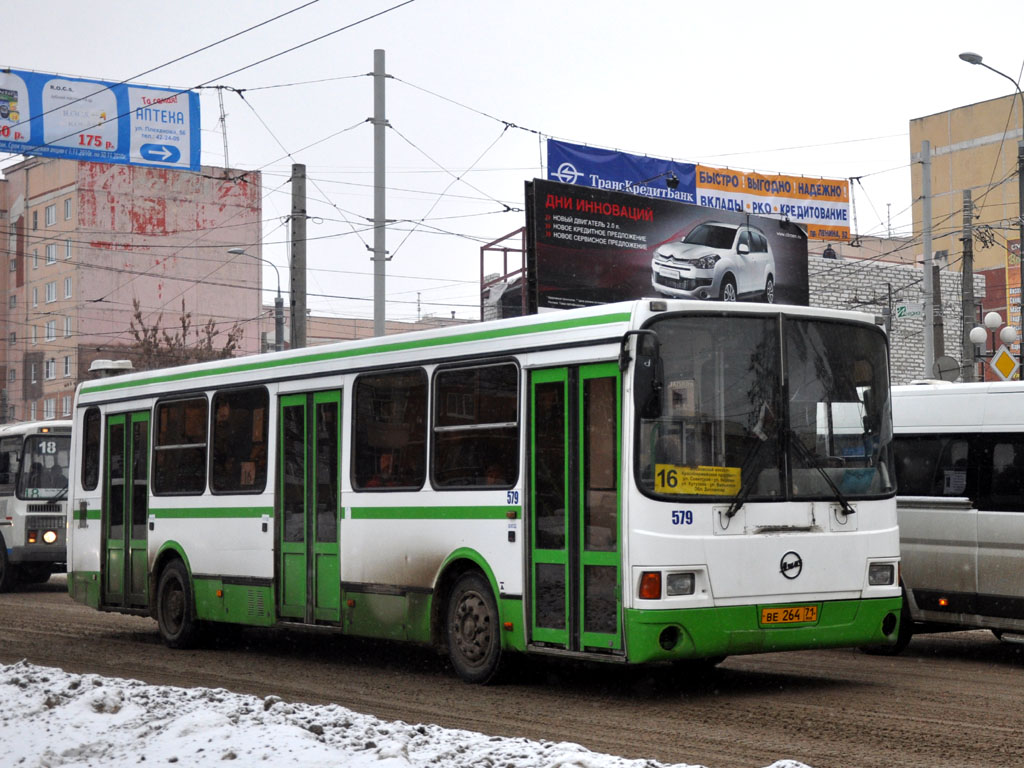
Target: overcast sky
<point x="813" y="89"/>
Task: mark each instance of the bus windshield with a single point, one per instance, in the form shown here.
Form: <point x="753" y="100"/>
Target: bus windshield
<point x="44" y="468"/>
<point x="726" y="424"/>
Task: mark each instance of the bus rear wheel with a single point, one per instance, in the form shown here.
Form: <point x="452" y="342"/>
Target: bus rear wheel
<point x="8" y="576"/>
<point x="472" y="627"/>
<point x="175" y="608"/>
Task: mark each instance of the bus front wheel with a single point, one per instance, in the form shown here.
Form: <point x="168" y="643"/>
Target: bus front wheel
<point x="175" y="608"/>
<point x="472" y="626"/>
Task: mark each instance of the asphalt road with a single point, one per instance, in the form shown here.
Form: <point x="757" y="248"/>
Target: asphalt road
<point x="954" y="699"/>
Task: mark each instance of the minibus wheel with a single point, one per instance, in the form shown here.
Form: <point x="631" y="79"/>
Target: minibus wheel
<point x="472" y="628"/>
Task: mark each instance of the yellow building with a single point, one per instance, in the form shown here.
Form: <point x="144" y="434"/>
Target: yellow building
<point x="972" y="147"/>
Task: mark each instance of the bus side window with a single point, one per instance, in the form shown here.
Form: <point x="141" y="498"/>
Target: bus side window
<point x="390" y="430"/>
<point x="91" y="450"/>
<point x="239" y="452"/>
<point x="10" y="460"/>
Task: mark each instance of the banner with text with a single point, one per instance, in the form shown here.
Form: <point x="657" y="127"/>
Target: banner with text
<point x="93" y="120"/>
<point x="821" y="206"/>
<point x="588" y="246"/>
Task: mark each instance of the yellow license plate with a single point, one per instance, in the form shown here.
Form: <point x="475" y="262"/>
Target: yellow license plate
<point x="789" y="614"/>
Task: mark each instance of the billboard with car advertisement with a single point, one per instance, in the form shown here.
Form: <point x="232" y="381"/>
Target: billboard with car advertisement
<point x="821" y="206"/>
<point x="93" y="120"/>
<point x="590" y="246"/>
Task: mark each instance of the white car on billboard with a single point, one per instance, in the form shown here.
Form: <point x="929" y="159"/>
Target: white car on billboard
<point x="715" y="260"/>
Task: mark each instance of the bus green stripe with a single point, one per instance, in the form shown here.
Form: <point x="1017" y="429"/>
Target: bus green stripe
<point x="108" y="385"/>
<point x="184" y="513"/>
<point x="435" y="513"/>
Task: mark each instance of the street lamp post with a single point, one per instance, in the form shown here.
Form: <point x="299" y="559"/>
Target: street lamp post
<point x="973" y="58"/>
<point x="278" y="301"/>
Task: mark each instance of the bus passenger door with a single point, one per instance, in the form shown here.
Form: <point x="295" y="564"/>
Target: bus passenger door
<point x="575" y="500"/>
<point x="308" y="503"/>
<point x="125" y="510"/>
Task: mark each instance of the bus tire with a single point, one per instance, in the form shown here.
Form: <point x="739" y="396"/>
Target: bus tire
<point x="472" y="628"/>
<point x="8" y="574"/>
<point x="175" y="607"/>
<point x="35" y="573"/>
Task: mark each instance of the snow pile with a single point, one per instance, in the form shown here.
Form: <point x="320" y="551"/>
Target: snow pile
<point x="53" y="719"/>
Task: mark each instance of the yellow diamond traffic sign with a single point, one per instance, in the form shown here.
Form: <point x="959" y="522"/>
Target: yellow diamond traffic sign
<point x="1004" y="363"/>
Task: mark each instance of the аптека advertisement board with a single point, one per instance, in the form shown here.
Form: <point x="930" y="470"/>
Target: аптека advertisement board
<point x="76" y="119"/>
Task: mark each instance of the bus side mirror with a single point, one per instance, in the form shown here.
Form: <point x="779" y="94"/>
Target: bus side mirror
<point x="648" y="373"/>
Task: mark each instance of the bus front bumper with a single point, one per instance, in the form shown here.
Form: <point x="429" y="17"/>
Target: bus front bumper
<point x="697" y="633"/>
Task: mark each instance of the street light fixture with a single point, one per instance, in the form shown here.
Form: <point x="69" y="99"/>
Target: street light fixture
<point x="278" y="301"/>
<point x="979" y="334"/>
<point x="974" y="58"/>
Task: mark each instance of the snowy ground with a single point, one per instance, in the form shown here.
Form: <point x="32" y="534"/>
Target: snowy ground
<point x="50" y="718"/>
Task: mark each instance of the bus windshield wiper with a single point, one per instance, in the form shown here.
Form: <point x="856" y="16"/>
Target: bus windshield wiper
<point x="812" y="461"/>
<point x="746" y="477"/>
<point x="62" y="493"/>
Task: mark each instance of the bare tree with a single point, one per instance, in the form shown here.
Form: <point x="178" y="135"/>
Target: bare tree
<point x="157" y="347"/>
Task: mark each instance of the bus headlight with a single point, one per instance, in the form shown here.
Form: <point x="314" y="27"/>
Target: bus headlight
<point x="881" y="574"/>
<point x="679" y="583"/>
<point x="49" y="537"/>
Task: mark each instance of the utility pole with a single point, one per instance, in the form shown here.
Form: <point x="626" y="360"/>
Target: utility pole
<point x="298" y="261"/>
<point x="379" y="240"/>
<point x="929" y="292"/>
<point x="223" y="126"/>
<point x="967" y="367"/>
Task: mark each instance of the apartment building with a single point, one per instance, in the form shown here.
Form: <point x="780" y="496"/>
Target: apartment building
<point x="84" y="241"/>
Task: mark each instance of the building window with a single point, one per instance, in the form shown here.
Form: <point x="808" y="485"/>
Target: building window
<point x="32" y="412"/>
<point x="10" y="413"/>
<point x="14" y="266"/>
<point x="35" y="219"/>
<point x="50" y="370"/>
<point x="67" y="209"/>
<point x="65" y="405"/>
<point x="32" y="373"/>
<point x="51" y="330"/>
<point x="35" y="258"/>
<point x="51" y="253"/>
<point x="67" y="287"/>
<point x="35" y="334"/>
<point x="12" y="338"/>
<point x="51" y="292"/>
<point x="50" y="408"/>
<point x="12" y="300"/>
<point x="12" y="375"/>
<point x="67" y="366"/>
<point x="67" y="326"/>
<point x="51" y="215"/>
<point x="35" y="297"/>
<point x="67" y="250"/>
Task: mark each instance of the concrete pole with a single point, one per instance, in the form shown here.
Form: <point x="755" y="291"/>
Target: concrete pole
<point x="379" y="240"/>
<point x="298" y="261"/>
<point x="967" y="366"/>
<point x="929" y="292"/>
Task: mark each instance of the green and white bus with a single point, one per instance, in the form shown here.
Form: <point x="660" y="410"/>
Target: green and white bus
<point x="658" y="480"/>
<point x="34" y="459"/>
